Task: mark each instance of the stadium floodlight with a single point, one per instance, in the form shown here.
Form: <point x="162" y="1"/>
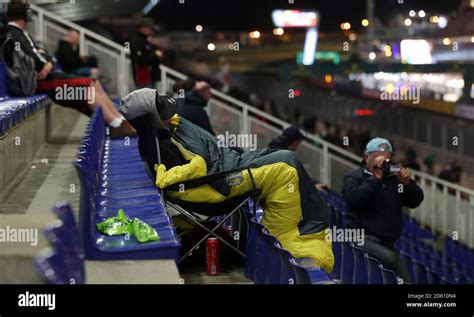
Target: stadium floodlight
<point x="150" y="5"/>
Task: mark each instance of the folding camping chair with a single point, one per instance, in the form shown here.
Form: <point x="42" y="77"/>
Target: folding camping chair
<point x="149" y="146"/>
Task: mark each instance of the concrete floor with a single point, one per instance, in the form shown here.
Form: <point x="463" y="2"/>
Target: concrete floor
<point x="235" y="275"/>
<point x="51" y="178"/>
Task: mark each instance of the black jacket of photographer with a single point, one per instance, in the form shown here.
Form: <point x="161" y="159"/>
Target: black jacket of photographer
<point x="376" y="204"/>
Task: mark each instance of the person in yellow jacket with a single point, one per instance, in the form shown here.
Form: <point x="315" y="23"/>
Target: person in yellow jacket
<point x="294" y="211"/>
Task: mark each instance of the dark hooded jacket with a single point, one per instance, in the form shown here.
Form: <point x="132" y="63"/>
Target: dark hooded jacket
<point x="193" y="110"/>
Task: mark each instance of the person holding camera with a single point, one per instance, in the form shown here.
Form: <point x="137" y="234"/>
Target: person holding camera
<point x="375" y="194"/>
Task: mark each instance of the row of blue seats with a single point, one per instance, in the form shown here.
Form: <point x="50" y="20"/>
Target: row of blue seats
<point x="425" y="264"/>
<point x="354" y="266"/>
<point x="267" y="262"/>
<point x="63" y="262"/>
<point x="15" y="110"/>
<point x="112" y="177"/>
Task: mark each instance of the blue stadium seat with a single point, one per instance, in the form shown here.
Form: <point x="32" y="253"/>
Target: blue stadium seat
<point x="50" y="265"/>
<point x="65" y="242"/>
<point x="448" y="248"/>
<point x="337" y="251"/>
<point x="287" y="275"/>
<point x="407" y="261"/>
<point x="421" y="276"/>
<point x="360" y="266"/>
<point x="374" y="270"/>
<point x="273" y="268"/>
<point x="112" y="178"/>
<point x="3" y="81"/>
<point x="389" y="277"/>
<point x="262" y="254"/>
<point x="460" y="278"/>
<point x="347" y="270"/>
<point x="433" y="277"/>
<point x="251" y="251"/>
<point x="309" y="275"/>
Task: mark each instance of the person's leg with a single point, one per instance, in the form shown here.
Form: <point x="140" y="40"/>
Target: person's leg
<point x="53" y="87"/>
<point x="111" y="114"/>
<point x="389" y="257"/>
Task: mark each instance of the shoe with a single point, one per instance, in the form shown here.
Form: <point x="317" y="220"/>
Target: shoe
<point x="124" y="130"/>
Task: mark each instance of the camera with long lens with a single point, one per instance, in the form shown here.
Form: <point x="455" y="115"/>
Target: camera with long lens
<point x="389" y="168"/>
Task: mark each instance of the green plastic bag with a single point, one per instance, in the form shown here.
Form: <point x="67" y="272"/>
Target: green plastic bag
<point x="143" y="231"/>
<point x="120" y="224"/>
<point x="115" y="225"/>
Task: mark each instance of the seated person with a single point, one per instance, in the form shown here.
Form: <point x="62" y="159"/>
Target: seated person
<point x="51" y="83"/>
<point x="194" y="103"/>
<point x="290" y="139"/>
<point x="295" y="212"/>
<point x="375" y="199"/>
<point x="70" y="60"/>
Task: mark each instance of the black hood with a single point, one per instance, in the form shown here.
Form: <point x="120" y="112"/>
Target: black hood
<point x="193" y="97"/>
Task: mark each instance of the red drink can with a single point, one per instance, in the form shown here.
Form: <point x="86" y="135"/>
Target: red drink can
<point x="212" y="256"/>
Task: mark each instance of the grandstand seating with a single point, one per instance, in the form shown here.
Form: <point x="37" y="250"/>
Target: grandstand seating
<point x="112" y="177"/>
<point x="425" y="264"/>
<point x="15" y="110"/>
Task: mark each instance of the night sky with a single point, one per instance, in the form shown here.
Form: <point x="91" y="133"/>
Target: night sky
<point x="244" y="15"/>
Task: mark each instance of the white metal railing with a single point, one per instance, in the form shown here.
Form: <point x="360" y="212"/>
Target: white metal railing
<point x="48" y="29"/>
<point x="447" y="208"/>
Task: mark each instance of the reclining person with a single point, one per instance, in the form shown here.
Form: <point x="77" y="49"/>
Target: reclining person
<point x="295" y="212"/>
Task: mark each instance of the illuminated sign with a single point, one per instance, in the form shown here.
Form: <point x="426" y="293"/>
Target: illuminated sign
<point x="416" y="52"/>
<point x="333" y="56"/>
<point x="295" y="18"/>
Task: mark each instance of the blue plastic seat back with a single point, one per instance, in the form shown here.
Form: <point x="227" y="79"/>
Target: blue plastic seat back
<point x="65" y="242"/>
<point x="261" y="254"/>
<point x="273" y="269"/>
<point x="309" y="275"/>
<point x="374" y="270"/>
<point x="51" y="266"/>
<point x="347" y="269"/>
<point x="433" y="277"/>
<point x="251" y="251"/>
<point x="389" y="277"/>
<point x="421" y="276"/>
<point x="337" y="251"/>
<point x="460" y="278"/>
<point x="3" y="80"/>
<point x="287" y="275"/>
<point x="448" y="248"/>
<point x="408" y="263"/>
<point x="301" y="274"/>
<point x="360" y="266"/>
